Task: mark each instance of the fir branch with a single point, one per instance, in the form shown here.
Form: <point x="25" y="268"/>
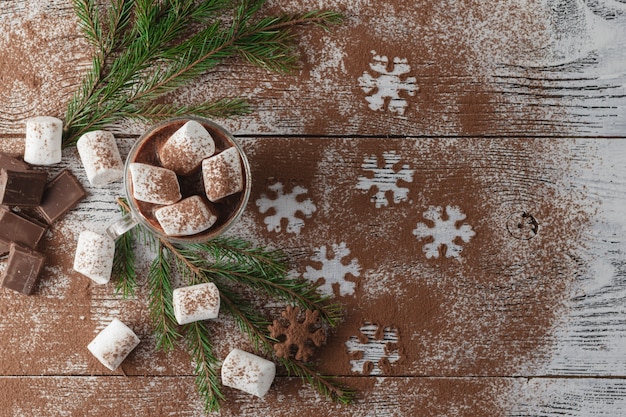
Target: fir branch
<point x="206" y="365"/>
<point x="160" y="301"/>
<point x="139" y="60"/>
<point x="276" y="284"/>
<point x="325" y="385"/>
<point x="124" y="262"/>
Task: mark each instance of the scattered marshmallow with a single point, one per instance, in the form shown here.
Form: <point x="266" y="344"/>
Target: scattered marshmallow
<point x="154" y="184"/>
<point x="187" y="217"/>
<point x="186" y="148"/>
<point x="113" y="344"/>
<point x="94" y="256"/>
<point x="197" y="302"/>
<point x="44" y="136"/>
<point x="101" y="157"/>
<point x="247" y="372"/>
<point x="222" y="174"/>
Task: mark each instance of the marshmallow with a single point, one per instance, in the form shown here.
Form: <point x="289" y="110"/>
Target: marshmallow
<point x="187" y="217"/>
<point x="198" y="302"/>
<point x="247" y="372"/>
<point x="184" y="151"/>
<point x="44" y="136"/>
<point x="222" y="174"/>
<point x="94" y="256"/>
<point x="101" y="158"/>
<point x="154" y="184"/>
<point x="113" y="344"/>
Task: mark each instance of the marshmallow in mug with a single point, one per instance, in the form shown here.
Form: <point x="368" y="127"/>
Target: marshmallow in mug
<point x="187" y="217"/>
<point x="196" y="302"/>
<point x="94" y="256"/>
<point x="184" y="151"/>
<point x="44" y="140"/>
<point x="154" y="184"/>
<point x="248" y="373"/>
<point x="222" y="174"/>
<point x="100" y="157"/>
<point x="113" y="344"/>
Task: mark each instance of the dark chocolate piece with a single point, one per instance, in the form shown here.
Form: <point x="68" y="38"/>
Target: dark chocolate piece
<point x="23" y="268"/>
<point x="60" y="196"/>
<point x="8" y="162"/>
<point x="22" y="188"/>
<point x="19" y="229"/>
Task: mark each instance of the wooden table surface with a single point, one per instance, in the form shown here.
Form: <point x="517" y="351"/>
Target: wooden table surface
<point x="453" y="172"/>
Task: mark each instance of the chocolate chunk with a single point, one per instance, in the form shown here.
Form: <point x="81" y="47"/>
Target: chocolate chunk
<point x="23" y="269"/>
<point x="8" y="162"/>
<point x="22" y="188"/>
<point x="60" y="196"/>
<point x="18" y="229"/>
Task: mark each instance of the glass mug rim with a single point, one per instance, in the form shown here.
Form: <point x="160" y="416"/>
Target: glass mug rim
<point x="138" y="217"/>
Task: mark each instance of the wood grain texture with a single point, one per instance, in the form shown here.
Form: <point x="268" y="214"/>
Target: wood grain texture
<point x="501" y="111"/>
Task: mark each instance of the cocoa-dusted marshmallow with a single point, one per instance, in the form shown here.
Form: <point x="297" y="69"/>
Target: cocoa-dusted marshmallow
<point x="100" y="157"/>
<point x="94" y="256"/>
<point x="197" y="302"/>
<point x="113" y="344"/>
<point x="184" y="151"/>
<point x="222" y="174"/>
<point x="187" y="217"/>
<point x="44" y="136"/>
<point x="247" y="372"/>
<point x="154" y="184"/>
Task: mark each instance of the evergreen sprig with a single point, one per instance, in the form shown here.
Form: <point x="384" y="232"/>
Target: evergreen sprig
<point x="145" y="49"/>
<point x="229" y="263"/>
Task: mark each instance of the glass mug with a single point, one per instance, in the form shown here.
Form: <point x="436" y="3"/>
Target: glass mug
<point x="145" y="150"/>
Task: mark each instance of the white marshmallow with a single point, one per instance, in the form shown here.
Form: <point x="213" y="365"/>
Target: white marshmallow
<point x="222" y="174"/>
<point x="154" y="184"/>
<point x="113" y="344"/>
<point x="186" y="148"/>
<point x="94" y="256"/>
<point x="247" y="372"/>
<point x="197" y="302"/>
<point x="44" y="136"/>
<point x="101" y="157"/>
<point x="187" y="217"/>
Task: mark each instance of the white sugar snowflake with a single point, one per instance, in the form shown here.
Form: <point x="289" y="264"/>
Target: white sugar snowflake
<point x="444" y="232"/>
<point x="286" y="206"/>
<point x="388" y="85"/>
<point x="373" y="350"/>
<point x="386" y="179"/>
<point x="334" y="271"/>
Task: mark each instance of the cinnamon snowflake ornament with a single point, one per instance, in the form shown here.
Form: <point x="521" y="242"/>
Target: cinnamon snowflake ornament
<point x="297" y="337"/>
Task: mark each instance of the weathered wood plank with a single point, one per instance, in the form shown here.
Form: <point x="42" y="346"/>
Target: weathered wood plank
<point x="175" y="396"/>
<point x="504" y="70"/>
<point x="487" y="310"/>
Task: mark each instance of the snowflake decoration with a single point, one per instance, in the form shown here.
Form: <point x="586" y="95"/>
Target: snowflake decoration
<point x="297" y="336"/>
<point x="374" y="350"/>
<point x="388" y="85"/>
<point x="386" y="179"/>
<point x="285" y="206"/>
<point x="334" y="270"/>
<point x="444" y="232"/>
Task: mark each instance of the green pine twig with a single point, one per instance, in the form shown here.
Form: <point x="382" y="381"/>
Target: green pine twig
<point x="160" y="301"/>
<point x="145" y="49"/>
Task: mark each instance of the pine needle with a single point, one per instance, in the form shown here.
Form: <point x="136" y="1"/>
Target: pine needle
<point x="160" y="301"/>
<point x="146" y="49"/>
<point x="124" y="272"/>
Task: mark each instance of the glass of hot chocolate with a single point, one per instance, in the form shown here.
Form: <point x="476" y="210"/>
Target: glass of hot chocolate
<point x="186" y="179"/>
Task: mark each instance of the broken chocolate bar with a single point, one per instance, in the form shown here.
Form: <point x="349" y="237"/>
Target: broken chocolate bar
<point x="8" y="162"/>
<point x="18" y="229"/>
<point x="60" y="196"/>
<point x="23" y="269"/>
<point x="22" y="188"/>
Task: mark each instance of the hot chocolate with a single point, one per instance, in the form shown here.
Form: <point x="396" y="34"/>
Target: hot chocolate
<point x="147" y="151"/>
